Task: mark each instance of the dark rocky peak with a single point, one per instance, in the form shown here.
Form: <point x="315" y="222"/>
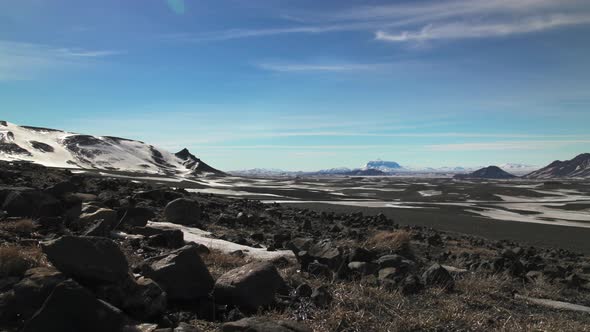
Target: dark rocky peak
<point x="490" y="172"/>
<point x="185" y="154"/>
<point x="195" y="164"/>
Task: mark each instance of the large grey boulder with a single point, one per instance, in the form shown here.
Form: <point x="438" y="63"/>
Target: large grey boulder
<point x="87" y="258"/>
<point x="142" y="299"/>
<point x="31" y="203"/>
<point x="72" y="308"/>
<point x="135" y="216"/>
<point x="261" y="324"/>
<point x="249" y="287"/>
<point x="182" y="274"/>
<point x="28" y="295"/>
<point x="436" y="275"/>
<point x="183" y="211"/>
<point x="326" y="253"/>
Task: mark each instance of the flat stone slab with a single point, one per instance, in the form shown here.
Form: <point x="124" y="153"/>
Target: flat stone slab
<point x="554" y="304"/>
<point x="192" y="234"/>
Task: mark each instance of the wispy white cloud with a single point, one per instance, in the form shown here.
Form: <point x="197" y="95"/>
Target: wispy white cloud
<point x="22" y="61"/>
<point x="327" y="67"/>
<point x="89" y="54"/>
<point x="424" y="20"/>
<point x="505" y="145"/>
<point x="483" y="30"/>
<point x="424" y="11"/>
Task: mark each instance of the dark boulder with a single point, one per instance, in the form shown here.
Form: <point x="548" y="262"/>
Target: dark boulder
<point x="92" y="216"/>
<point x="183" y="211"/>
<point x="171" y="238"/>
<point x="28" y="295"/>
<point x="326" y="253"/>
<point x="160" y="196"/>
<point x="410" y="285"/>
<point x="303" y="290"/>
<point x="321" y="297"/>
<point x="72" y="308"/>
<point x="360" y="255"/>
<point x="87" y="258"/>
<point x="249" y="287"/>
<point x="363" y="268"/>
<point x="135" y="216"/>
<point x="142" y="299"/>
<point x="100" y="228"/>
<point x="436" y="275"/>
<point x="61" y="189"/>
<point x="318" y="269"/>
<point x="299" y="244"/>
<point x="182" y="274"/>
<point x="31" y="204"/>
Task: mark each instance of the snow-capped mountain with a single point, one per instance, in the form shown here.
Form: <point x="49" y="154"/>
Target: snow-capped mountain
<point x="518" y="169"/>
<point x="383" y="166"/>
<point x="335" y="171"/>
<point x="579" y="167"/>
<point x="56" y="148"/>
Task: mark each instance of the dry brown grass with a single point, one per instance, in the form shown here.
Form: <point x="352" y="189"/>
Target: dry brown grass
<point x="15" y="260"/>
<point x="482" y="252"/>
<point x="219" y="262"/>
<point x="395" y="241"/>
<point x="23" y="226"/>
<point x="480" y="303"/>
<point x="543" y="288"/>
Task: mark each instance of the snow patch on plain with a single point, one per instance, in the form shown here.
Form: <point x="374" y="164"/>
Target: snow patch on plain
<point x="200" y="236"/>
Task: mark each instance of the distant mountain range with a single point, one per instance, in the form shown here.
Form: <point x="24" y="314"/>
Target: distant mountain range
<point x="381" y="167"/>
<point x="579" y="167"/>
<point x="56" y="148"/>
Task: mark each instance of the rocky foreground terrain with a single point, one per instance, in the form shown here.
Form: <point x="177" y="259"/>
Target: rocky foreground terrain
<point x="85" y="253"/>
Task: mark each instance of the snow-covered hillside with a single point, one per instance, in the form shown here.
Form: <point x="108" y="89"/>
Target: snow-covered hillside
<point x="518" y="169"/>
<point x="579" y="167"/>
<point x="56" y="148"/>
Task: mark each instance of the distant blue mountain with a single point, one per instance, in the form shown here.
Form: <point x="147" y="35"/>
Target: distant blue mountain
<point x="383" y="166"/>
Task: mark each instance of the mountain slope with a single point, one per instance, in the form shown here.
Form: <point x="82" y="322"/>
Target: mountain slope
<point x="579" y="167"/>
<point x="490" y="172"/>
<point x="56" y="148"/>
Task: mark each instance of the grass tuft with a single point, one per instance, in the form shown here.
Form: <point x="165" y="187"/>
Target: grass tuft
<point x="15" y="260"/>
<point x="219" y="262"/>
<point x="394" y="241"/>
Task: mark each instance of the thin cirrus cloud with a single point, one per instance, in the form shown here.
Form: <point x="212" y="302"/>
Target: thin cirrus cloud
<point x="420" y="21"/>
<point x="483" y="30"/>
<point x="505" y="145"/>
<point x="23" y="61"/>
<point x="311" y="67"/>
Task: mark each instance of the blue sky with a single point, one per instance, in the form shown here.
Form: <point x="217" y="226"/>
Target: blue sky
<point x="304" y="85"/>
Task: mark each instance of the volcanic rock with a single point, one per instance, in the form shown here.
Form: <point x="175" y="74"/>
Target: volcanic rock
<point x="182" y="274"/>
<point x="249" y="287"/>
<point x="87" y="258"/>
<point x="183" y="211"/>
